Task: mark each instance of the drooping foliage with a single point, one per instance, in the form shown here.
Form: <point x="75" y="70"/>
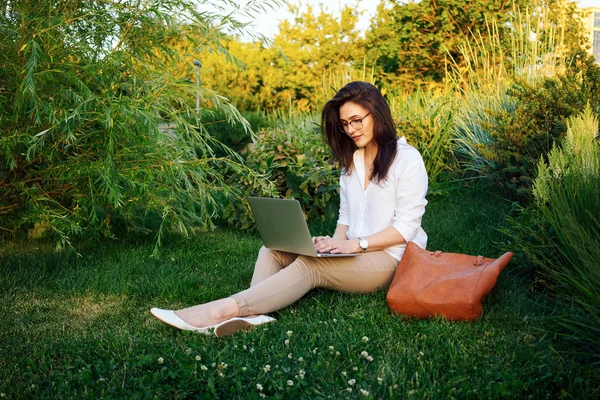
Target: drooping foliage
<point x="97" y="127"/>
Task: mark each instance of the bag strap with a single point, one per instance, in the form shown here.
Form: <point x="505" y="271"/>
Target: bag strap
<point x="478" y="260"/>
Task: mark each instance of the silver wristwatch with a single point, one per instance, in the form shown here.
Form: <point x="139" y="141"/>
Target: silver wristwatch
<point x="363" y="243"/>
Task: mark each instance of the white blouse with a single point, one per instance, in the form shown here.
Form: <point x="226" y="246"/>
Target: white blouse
<point x="399" y="201"/>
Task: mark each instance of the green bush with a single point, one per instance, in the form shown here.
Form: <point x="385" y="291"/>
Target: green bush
<point x="232" y="134"/>
<point x="560" y="233"/>
<point x="297" y="160"/>
<point x="523" y="134"/>
<point x="96" y="125"/>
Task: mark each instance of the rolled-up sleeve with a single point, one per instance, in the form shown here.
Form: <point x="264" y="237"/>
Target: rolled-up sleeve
<point x="410" y="192"/>
<point x="343" y="218"/>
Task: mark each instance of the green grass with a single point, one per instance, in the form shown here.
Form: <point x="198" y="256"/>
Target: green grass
<point x="79" y="326"/>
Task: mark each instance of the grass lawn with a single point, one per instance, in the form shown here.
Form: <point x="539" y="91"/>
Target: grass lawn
<point x="80" y="327"/>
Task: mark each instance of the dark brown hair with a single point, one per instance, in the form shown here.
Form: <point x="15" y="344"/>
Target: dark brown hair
<point x="384" y="131"/>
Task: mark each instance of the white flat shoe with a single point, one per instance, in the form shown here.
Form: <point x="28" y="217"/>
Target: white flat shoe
<point x="233" y="325"/>
<point x="169" y="317"/>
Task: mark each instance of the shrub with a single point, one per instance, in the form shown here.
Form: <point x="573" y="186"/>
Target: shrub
<point x="232" y="134"/>
<point x="560" y="233"/>
<point x="95" y="123"/>
<point x="297" y="160"/>
<point x="522" y="134"/>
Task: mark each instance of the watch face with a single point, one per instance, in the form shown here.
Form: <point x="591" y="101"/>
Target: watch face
<point x="363" y="243"/>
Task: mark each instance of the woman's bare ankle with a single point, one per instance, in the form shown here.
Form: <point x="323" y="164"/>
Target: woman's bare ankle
<point x="227" y="308"/>
<point x="209" y="314"/>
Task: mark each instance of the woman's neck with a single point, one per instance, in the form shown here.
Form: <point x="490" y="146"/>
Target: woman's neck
<point x="370" y="152"/>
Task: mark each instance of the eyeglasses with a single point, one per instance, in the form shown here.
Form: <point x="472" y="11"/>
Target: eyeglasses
<point x="355" y="123"/>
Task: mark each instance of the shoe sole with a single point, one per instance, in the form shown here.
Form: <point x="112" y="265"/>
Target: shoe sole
<point x="231" y="327"/>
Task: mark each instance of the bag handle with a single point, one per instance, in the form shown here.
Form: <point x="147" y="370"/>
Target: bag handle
<point x="478" y="260"/>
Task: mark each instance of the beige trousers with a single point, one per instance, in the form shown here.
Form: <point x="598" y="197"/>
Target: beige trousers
<point x="282" y="278"/>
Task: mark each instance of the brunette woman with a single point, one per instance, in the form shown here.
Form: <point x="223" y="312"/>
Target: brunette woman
<point x="382" y="200"/>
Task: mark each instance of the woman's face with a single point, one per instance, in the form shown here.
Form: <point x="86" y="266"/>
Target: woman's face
<point x="357" y="123"/>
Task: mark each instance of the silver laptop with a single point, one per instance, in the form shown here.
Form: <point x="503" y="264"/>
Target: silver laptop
<point x="282" y="226"/>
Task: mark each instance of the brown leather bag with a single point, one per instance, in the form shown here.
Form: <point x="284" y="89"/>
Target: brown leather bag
<point x="429" y="284"/>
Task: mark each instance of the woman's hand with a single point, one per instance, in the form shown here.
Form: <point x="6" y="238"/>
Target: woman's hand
<point x="324" y="244"/>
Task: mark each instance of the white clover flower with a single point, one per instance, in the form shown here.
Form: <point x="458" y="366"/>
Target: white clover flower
<point x="354" y="368"/>
<point x="290" y="382"/>
<point x="213" y="365"/>
<point x="396" y="386"/>
<point x="263" y="395"/>
<point x="300" y="359"/>
<point x="203" y="368"/>
<point x="380" y="380"/>
<point x="289" y="333"/>
<point x="369" y="358"/>
<point x="267" y="368"/>
<point x="221" y="374"/>
<point x="301" y="373"/>
<point x="188" y="350"/>
<point x="315" y="350"/>
<point x="337" y="353"/>
<point x="334" y="320"/>
<point x="364" y="354"/>
<point x="365" y="339"/>
<point x="259" y="387"/>
<point x="2" y="394"/>
<point x="252" y="350"/>
<point x="344" y="373"/>
<point x="244" y="347"/>
<point x="287" y="342"/>
<point x="330" y="347"/>
<point x="349" y="389"/>
<point x="198" y="358"/>
<point x="161" y="360"/>
<point x="364" y="392"/>
<point x="244" y="369"/>
<point x="351" y="382"/>
<point x="290" y="355"/>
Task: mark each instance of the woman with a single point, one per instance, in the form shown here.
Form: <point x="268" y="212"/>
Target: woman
<point x="382" y="200"/>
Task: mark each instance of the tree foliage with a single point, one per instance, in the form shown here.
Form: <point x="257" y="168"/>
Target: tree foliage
<point x="97" y="127"/>
<point x="307" y="54"/>
<point x="414" y="42"/>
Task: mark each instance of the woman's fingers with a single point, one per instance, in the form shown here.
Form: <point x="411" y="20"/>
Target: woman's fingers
<point x="326" y="244"/>
<point x="322" y="243"/>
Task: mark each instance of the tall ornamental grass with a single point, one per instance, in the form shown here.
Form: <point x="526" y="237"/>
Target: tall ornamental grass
<point x="537" y="51"/>
<point x="568" y="204"/>
<point x="426" y="118"/>
<point x="98" y="122"/>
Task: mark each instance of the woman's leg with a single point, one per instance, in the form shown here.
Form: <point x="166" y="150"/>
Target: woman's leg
<point x="268" y="263"/>
<point x="362" y="274"/>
